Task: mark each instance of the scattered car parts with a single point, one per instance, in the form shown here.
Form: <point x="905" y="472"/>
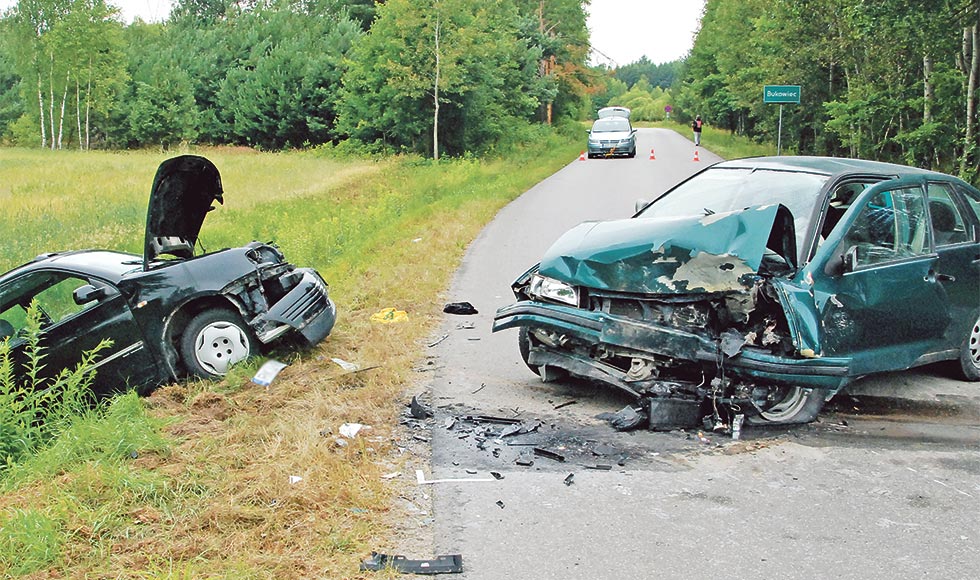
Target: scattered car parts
<point x="451" y="564"/>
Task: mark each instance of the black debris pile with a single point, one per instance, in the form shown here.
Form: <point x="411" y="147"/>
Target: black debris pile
<point x="464" y="308"/>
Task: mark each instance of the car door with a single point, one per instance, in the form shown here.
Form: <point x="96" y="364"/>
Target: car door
<point x="958" y="267"/>
<point x="887" y="306"/>
<point x="77" y="313"/>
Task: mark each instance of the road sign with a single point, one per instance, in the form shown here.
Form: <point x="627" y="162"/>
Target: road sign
<point x="668" y="109"/>
<point x="781" y="94"/>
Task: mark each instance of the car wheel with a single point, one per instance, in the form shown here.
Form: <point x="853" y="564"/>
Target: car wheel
<point x="547" y="373"/>
<point x="632" y="154"/>
<point x="970" y="354"/>
<point x="797" y="406"/>
<point x="213" y="341"/>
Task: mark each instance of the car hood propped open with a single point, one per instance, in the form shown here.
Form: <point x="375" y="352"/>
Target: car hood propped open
<point x="679" y="255"/>
<point x="183" y="191"/>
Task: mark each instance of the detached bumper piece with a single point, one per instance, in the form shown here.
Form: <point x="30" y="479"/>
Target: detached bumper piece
<point x="306" y="308"/>
<point x="452" y="564"/>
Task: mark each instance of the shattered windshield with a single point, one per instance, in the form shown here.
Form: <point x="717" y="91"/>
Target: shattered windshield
<point x="720" y="190"/>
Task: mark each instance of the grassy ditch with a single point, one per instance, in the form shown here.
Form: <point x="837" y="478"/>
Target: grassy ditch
<point x="195" y="480"/>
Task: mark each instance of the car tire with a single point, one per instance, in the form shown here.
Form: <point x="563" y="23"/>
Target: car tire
<point x="798" y="406"/>
<point x="524" y="345"/>
<point x="970" y="354"/>
<point x="213" y="341"/>
<point x="632" y="154"/>
<point x="548" y="374"/>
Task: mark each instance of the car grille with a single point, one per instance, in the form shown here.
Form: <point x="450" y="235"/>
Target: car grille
<point x="677" y="314"/>
<point x="312" y="302"/>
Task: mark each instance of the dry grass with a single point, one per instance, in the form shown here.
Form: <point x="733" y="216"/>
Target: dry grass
<point x="218" y="503"/>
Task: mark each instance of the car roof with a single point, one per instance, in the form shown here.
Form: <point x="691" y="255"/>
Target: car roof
<point x="104" y="264"/>
<point x="829" y="166"/>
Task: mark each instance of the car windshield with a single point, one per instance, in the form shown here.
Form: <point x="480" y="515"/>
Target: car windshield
<point x="719" y="190"/>
<point x="609" y="125"/>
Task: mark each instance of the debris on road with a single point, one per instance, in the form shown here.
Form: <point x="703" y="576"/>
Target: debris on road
<point x="599" y="467"/>
<point x="463" y="308"/>
<point x="500" y="504"/>
<point x="565" y="404"/>
<point x="418" y="410"/>
<point x="548" y="454"/>
<point x="451" y="564"/>
<point x="420" y="477"/>
<point x="440" y="339"/>
<point x="570" y="479"/>
<point x="496" y="475"/>
<point x="626" y="419"/>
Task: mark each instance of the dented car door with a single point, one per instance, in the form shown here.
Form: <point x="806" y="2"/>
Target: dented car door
<point x="882" y="297"/>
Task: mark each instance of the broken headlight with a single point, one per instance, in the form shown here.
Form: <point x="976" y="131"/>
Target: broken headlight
<point x="551" y="289"/>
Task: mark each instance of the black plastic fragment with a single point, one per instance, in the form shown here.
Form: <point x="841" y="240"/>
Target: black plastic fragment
<point x="459" y="308"/>
<point x="570" y="479"/>
<point x="418" y="410"/>
<point x="542" y="452"/>
<point x="451" y="564"/>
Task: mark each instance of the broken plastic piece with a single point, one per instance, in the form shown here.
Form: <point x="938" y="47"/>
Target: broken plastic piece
<point x="627" y="418"/>
<point x="267" y="372"/>
<point x="418" y="410"/>
<point x="599" y="467"/>
<point x="347" y="366"/>
<point x="293" y="479"/>
<point x="570" y="479"/>
<point x="496" y="475"/>
<point x="500" y="504"/>
<point x="451" y="564"/>
<point x="542" y="452"/>
<point x="460" y="308"/>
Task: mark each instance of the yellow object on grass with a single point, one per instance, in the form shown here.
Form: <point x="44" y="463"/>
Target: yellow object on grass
<point x="387" y="315"/>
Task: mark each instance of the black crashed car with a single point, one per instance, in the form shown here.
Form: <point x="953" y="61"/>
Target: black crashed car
<point x="169" y="313"/>
<point x="758" y="288"/>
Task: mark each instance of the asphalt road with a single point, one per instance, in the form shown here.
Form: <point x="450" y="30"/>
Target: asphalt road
<point x="885" y="485"/>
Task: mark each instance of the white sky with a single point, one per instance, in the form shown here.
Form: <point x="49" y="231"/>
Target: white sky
<point x="622" y="30"/>
<point x="625" y="30"/>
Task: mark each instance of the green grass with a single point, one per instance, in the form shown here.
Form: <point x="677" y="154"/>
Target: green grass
<point x="193" y="481"/>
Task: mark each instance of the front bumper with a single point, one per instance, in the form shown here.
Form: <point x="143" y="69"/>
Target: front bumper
<point x="604" y="150"/>
<point x="306" y="308"/>
<point x="602" y="329"/>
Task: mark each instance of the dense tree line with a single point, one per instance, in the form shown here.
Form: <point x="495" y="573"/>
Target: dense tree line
<point x="414" y="75"/>
<point x="889" y="79"/>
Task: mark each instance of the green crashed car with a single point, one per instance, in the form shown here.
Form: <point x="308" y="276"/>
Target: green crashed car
<point x="758" y="288"/>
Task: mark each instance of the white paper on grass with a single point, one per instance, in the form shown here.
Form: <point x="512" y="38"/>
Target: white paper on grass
<point x="267" y="372"/>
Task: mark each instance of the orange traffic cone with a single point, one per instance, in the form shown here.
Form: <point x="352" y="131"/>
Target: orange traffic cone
<point x="582" y="156"/>
<point x="696" y="155"/>
<point x="652" y="157"/>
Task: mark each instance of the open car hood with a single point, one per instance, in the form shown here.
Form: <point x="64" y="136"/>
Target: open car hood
<point x="182" y="193"/>
<point x="692" y="254"/>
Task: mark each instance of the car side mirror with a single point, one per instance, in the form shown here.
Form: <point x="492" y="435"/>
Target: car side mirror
<point x="850" y="259"/>
<point x="87" y="293"/>
<point x="640" y="204"/>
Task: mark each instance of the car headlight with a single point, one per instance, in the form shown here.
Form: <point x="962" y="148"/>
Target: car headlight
<point x="551" y="289"/>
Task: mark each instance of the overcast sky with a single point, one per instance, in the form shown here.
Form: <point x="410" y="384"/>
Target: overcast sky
<point x="625" y="30"/>
<point x="622" y="30"/>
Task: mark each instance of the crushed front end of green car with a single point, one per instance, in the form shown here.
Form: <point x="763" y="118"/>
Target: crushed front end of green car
<point x="757" y="289"/>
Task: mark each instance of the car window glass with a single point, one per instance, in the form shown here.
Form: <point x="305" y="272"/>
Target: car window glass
<point x="610" y="125"/>
<point x="891" y="226"/>
<point x="840" y="200"/>
<point x="948" y="226"/>
<point x="973" y="200"/>
<point x="54" y="293"/>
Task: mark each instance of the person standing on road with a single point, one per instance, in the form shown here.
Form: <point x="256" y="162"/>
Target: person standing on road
<point x="696" y="125"/>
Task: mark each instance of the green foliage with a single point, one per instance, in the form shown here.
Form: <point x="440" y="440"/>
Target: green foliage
<point x="861" y="66"/>
<point x="33" y="411"/>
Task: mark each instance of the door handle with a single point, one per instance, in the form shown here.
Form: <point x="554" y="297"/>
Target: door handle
<point x="933" y="276"/>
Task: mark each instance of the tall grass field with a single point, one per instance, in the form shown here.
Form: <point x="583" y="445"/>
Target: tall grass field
<point x="199" y="479"/>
